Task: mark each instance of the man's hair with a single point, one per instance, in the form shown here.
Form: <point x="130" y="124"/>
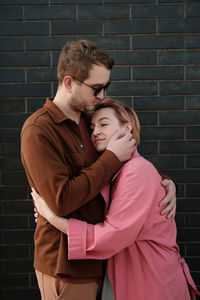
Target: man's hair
<point x="76" y="59"/>
<point x="124" y="114"/>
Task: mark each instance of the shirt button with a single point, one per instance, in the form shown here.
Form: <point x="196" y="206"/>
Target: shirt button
<point x="81" y="145"/>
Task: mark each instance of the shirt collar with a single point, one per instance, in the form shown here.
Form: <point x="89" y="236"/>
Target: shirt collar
<point x="57" y="114"/>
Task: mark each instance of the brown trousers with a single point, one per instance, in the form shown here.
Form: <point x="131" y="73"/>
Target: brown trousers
<point x="52" y="288"/>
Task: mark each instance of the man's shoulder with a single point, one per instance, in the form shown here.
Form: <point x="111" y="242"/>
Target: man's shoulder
<point x="38" y="118"/>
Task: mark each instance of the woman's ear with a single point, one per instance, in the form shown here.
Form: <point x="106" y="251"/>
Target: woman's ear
<point x="129" y="126"/>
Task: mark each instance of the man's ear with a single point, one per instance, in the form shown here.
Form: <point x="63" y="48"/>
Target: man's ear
<point x="67" y="82"/>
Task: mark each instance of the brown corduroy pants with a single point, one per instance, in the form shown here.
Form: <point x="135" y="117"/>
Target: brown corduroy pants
<point x="52" y="288"/>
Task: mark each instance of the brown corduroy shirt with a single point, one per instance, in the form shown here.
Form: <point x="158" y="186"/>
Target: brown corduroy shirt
<point x="56" y="164"/>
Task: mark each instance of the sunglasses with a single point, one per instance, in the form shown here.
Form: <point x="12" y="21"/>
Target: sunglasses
<point x="96" y="90"/>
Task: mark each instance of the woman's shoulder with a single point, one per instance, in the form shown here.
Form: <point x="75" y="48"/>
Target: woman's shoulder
<point x="140" y="165"/>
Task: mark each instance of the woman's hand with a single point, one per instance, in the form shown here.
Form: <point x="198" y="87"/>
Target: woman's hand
<point x="41" y="208"/>
<point x="170" y="199"/>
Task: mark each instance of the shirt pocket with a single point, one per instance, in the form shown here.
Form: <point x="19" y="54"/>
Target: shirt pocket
<point x="75" y="161"/>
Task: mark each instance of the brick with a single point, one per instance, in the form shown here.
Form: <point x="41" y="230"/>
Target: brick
<point x="32" y="223"/>
<point x="6" y="252"/>
<point x="188" y="205"/>
<point x="158" y="72"/>
<point x="17" y="178"/>
<point x="13" y="222"/>
<point x="179" y="26"/>
<point x="14" y="280"/>
<point x="180" y="118"/>
<point x="24" y="90"/>
<point x="13" y="120"/>
<point x="147" y="118"/>
<point x="158" y="11"/>
<point x="41" y="74"/>
<point x="161" y="133"/>
<point x="181" y="190"/>
<point x="12" y="192"/>
<point x="76" y="1"/>
<point x="179" y="147"/>
<point x="34" y="104"/>
<point x="192" y="10"/>
<point x="180" y="220"/>
<point x="28" y="293"/>
<point x="139" y="88"/>
<point x="103" y="12"/>
<point x="80" y="27"/>
<point x="158" y="42"/>
<point x="185" y="176"/>
<point x="193" y="73"/>
<point x="179" y="57"/>
<point x="24" y="59"/>
<point x="193" y="102"/>
<point x="25" y="2"/>
<point x="10" y="135"/>
<point x="130" y="1"/>
<point x="188" y="235"/>
<point x="193" y="161"/>
<point x="24" y="28"/>
<point x="121" y="73"/>
<point x="11" y="44"/>
<point x="134" y="57"/>
<point x="193" y="132"/>
<point x="17" y="207"/>
<point x="56" y="43"/>
<point x="129" y="26"/>
<point x="12" y="105"/>
<point x="14" y="75"/>
<point x="192" y="41"/>
<point x="166" y="162"/>
<point x="194" y="263"/>
<point x="49" y="12"/>
<point x="125" y="100"/>
<point x="193" y="190"/>
<point x="148" y="148"/>
<point x="10" y="149"/>
<point x="158" y="103"/>
<point x="180" y="88"/>
<point x="11" y="13"/>
<point x="18" y="266"/>
<point x="193" y="249"/>
<point x="192" y="220"/>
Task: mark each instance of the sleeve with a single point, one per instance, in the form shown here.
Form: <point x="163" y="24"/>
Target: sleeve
<point x="50" y="175"/>
<point x="130" y="205"/>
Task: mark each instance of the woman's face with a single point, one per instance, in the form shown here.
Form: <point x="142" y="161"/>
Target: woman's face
<point x="104" y="124"/>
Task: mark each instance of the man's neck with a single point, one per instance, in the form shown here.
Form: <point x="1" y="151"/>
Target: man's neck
<point x="64" y="106"/>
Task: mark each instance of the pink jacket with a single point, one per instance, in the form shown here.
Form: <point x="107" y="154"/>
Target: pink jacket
<point x="140" y="244"/>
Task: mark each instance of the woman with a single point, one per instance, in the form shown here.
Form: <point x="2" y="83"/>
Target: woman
<point x="140" y="245"/>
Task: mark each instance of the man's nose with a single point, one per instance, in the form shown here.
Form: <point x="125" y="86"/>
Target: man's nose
<point x="100" y="95"/>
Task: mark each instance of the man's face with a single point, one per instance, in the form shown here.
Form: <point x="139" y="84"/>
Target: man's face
<point x="83" y="98"/>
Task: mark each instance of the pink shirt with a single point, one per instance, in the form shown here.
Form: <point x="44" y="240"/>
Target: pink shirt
<point x="140" y="244"/>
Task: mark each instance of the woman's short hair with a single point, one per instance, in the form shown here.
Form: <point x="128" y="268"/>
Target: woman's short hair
<point x="124" y="114"/>
<point x="76" y="59"/>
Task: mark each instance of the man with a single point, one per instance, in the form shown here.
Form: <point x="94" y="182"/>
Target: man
<point x="63" y="167"/>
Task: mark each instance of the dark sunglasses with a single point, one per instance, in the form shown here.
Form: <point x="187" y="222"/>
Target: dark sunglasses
<point x="96" y="90"/>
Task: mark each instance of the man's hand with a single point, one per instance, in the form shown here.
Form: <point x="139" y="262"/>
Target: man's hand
<point x="122" y="145"/>
<point x="170" y="199"/>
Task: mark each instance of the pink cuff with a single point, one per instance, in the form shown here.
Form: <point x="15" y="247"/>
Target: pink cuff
<point x="77" y="233"/>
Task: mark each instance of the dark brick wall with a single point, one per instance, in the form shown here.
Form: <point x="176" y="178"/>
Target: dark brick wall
<point x="156" y="46"/>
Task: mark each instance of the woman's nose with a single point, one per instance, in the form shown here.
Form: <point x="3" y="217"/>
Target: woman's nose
<point x="95" y="131"/>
